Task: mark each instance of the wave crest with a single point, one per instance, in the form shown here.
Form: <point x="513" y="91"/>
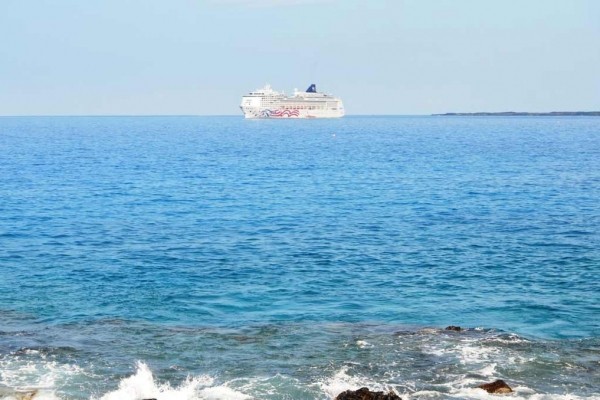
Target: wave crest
<point x="142" y="385"/>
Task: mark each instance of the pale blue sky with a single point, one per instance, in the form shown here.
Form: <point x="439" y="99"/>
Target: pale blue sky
<point x="71" y="57"/>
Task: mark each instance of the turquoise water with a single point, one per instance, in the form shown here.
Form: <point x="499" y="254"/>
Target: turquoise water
<point x="214" y="257"/>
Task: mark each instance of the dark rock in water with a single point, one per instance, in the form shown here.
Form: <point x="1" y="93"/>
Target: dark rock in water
<point x="454" y="328"/>
<point x="366" y="394"/>
<point x="17" y="394"/>
<point x="497" y="387"/>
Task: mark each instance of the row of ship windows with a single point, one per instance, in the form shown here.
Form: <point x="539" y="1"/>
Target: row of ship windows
<point x="302" y="108"/>
<point x="296" y="106"/>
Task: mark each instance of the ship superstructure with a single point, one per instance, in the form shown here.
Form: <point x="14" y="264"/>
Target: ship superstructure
<point x="268" y="103"/>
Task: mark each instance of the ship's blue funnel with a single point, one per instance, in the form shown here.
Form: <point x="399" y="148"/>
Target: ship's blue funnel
<point x="312" y="89"/>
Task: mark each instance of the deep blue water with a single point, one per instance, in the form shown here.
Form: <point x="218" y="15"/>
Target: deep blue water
<point x="295" y="259"/>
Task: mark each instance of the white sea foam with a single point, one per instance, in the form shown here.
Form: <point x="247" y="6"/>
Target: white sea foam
<point x="342" y="381"/>
<point x="467" y="352"/>
<point x="520" y="393"/>
<point x="363" y="344"/>
<point x="473" y="353"/>
<point x="477" y="353"/>
<point x="488" y="370"/>
<point x="463" y="387"/>
<point x="20" y="377"/>
<point x="26" y="376"/>
<point x="143" y="385"/>
<point x="47" y="378"/>
<point x="221" y="393"/>
<point x="508" y="339"/>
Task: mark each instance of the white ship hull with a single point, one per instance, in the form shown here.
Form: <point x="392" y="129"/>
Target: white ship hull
<point x="285" y="114"/>
<point x="267" y="103"/>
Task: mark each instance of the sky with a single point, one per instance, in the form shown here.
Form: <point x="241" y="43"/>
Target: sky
<point x="198" y="57"/>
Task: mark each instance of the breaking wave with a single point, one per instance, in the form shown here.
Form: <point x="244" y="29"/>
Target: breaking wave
<point x="415" y="364"/>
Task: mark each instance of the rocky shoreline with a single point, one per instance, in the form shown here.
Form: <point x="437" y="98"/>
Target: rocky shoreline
<point x="496" y="387"/>
<point x="523" y="114"/>
<point x="364" y="393"/>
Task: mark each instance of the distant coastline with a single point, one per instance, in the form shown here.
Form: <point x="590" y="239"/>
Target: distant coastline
<point x="524" y="114"/>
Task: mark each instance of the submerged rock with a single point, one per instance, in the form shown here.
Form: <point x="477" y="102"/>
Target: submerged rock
<point x="7" y="393"/>
<point x="366" y="394"/>
<point x="497" y="387"/>
<point x="454" y="328"/>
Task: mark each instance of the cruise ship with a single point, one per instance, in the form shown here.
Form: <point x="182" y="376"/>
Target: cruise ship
<point x="268" y="103"/>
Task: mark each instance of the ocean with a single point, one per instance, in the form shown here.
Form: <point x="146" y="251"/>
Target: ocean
<point x="182" y="258"/>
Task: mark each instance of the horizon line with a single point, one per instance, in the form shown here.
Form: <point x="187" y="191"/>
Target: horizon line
<point x="191" y="115"/>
